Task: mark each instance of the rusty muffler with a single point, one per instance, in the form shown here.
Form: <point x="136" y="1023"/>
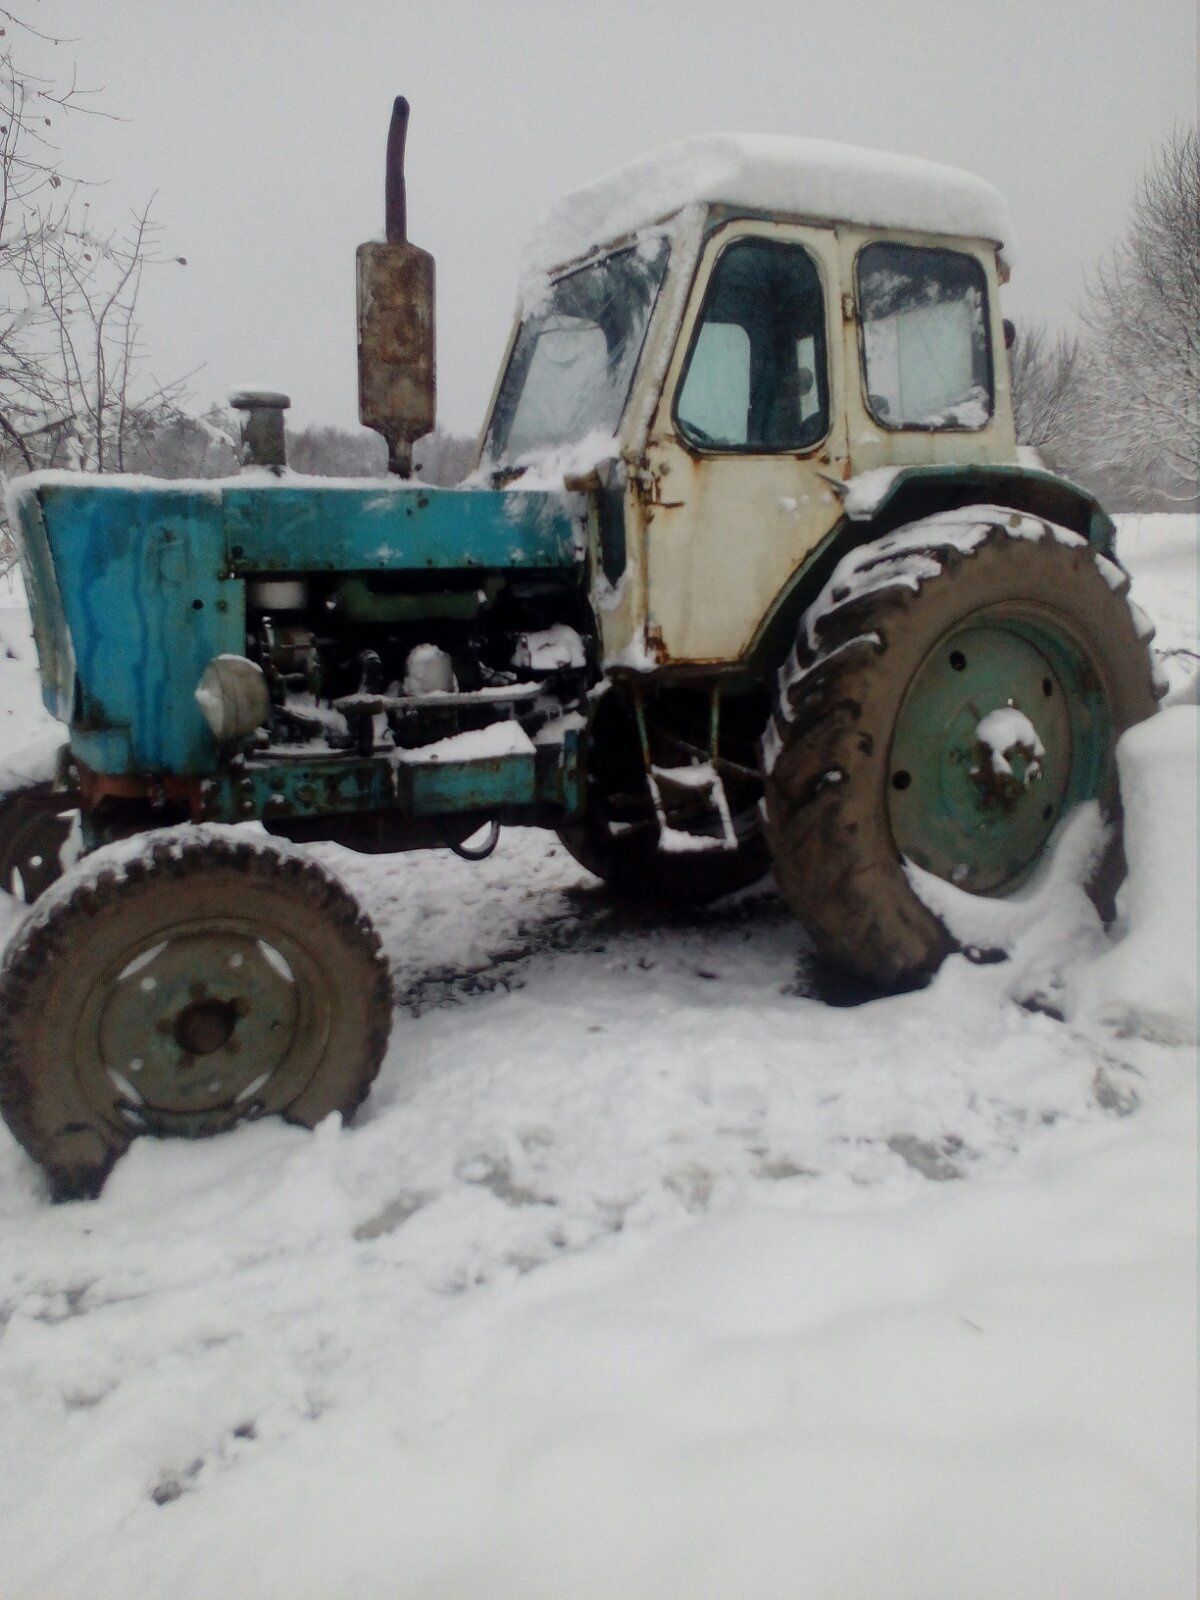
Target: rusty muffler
<point x="397" y="367"/>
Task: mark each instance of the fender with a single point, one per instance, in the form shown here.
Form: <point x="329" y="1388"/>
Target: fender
<point x="906" y="496"/>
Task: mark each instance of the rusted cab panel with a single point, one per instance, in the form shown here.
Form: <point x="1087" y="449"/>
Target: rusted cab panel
<point x="716" y="531"/>
<point x="720" y="528"/>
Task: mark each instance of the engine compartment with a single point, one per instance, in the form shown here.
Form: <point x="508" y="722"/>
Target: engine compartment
<point x="367" y="662"/>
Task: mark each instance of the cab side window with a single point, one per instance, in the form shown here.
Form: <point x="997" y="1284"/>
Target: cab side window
<point x="927" y="357"/>
<point x="756" y="378"/>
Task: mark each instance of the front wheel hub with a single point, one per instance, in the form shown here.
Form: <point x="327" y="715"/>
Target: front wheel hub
<point x="205" y="1026"/>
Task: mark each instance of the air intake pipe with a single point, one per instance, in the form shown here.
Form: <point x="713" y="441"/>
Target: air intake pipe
<point x="397" y="368"/>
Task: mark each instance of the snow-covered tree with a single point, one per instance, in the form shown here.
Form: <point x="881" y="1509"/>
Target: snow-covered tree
<point x="1048" y="389"/>
<point x="336" y="452"/>
<point x="1144" y="314"/>
<point x="184" y="446"/>
<point x="440" y="458"/>
<point x="72" y="390"/>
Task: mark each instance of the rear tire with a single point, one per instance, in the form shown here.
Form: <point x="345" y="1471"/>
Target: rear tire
<point x="208" y="980"/>
<point x="877" y="748"/>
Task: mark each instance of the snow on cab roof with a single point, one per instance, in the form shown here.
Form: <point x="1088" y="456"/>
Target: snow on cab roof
<point x="766" y="172"/>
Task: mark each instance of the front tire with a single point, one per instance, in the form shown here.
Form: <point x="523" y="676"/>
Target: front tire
<point x="207" y="980"/>
<point x="957" y="689"/>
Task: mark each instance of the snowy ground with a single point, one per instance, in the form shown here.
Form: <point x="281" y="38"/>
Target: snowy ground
<point x="644" y="1273"/>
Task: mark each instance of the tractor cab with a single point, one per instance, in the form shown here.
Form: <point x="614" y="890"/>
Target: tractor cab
<point x="766" y="319"/>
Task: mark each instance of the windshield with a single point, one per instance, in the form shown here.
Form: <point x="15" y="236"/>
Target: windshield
<point x="573" y="363"/>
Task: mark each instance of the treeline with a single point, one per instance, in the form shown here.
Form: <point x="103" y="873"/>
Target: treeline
<point x="1117" y="407"/>
<point x="208" y="446"/>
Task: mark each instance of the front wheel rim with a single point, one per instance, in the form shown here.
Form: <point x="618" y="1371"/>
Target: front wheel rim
<point x="201" y="1024"/>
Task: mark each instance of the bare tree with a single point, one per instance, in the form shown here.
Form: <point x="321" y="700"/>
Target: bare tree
<point x="1144" y="313"/>
<point x="1048" y="389"/>
<point x="71" y="386"/>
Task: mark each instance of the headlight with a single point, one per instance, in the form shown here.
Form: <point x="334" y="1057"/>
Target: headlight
<point x="233" y="696"/>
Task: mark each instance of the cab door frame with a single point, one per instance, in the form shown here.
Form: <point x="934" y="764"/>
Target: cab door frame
<point x="721" y="531"/>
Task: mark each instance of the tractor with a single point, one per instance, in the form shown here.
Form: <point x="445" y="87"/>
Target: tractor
<point x="750" y="575"/>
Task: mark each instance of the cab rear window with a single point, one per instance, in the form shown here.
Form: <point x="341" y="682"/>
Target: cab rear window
<point x="926" y="352"/>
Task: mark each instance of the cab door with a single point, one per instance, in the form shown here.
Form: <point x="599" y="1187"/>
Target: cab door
<point x="734" y="488"/>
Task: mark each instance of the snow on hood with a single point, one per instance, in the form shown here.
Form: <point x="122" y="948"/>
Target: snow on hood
<point x="19" y="490"/>
<point x="766" y="172"/>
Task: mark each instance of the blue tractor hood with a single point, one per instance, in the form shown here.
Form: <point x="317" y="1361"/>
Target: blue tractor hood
<point x="135" y="584"/>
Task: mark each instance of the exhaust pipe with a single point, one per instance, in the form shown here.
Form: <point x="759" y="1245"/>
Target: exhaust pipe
<point x="395" y="197"/>
<point x="397" y="367"/>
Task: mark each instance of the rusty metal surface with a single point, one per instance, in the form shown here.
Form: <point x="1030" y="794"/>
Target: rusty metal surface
<point x="397" y="374"/>
<point x="264" y="441"/>
<point x="157" y="790"/>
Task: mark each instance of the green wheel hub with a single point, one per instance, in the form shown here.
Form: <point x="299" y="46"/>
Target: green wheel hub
<point x="207" y="1023"/>
<point x="1003" y="730"/>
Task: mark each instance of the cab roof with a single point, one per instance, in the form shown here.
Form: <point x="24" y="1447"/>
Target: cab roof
<point x="765" y="172"/>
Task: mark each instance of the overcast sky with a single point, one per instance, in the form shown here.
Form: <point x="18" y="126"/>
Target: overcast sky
<point x="261" y="125"/>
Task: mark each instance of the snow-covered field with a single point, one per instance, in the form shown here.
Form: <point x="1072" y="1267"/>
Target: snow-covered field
<point x="646" y="1275"/>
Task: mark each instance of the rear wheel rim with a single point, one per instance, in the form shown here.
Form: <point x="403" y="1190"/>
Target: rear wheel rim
<point x="1004" y="728"/>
